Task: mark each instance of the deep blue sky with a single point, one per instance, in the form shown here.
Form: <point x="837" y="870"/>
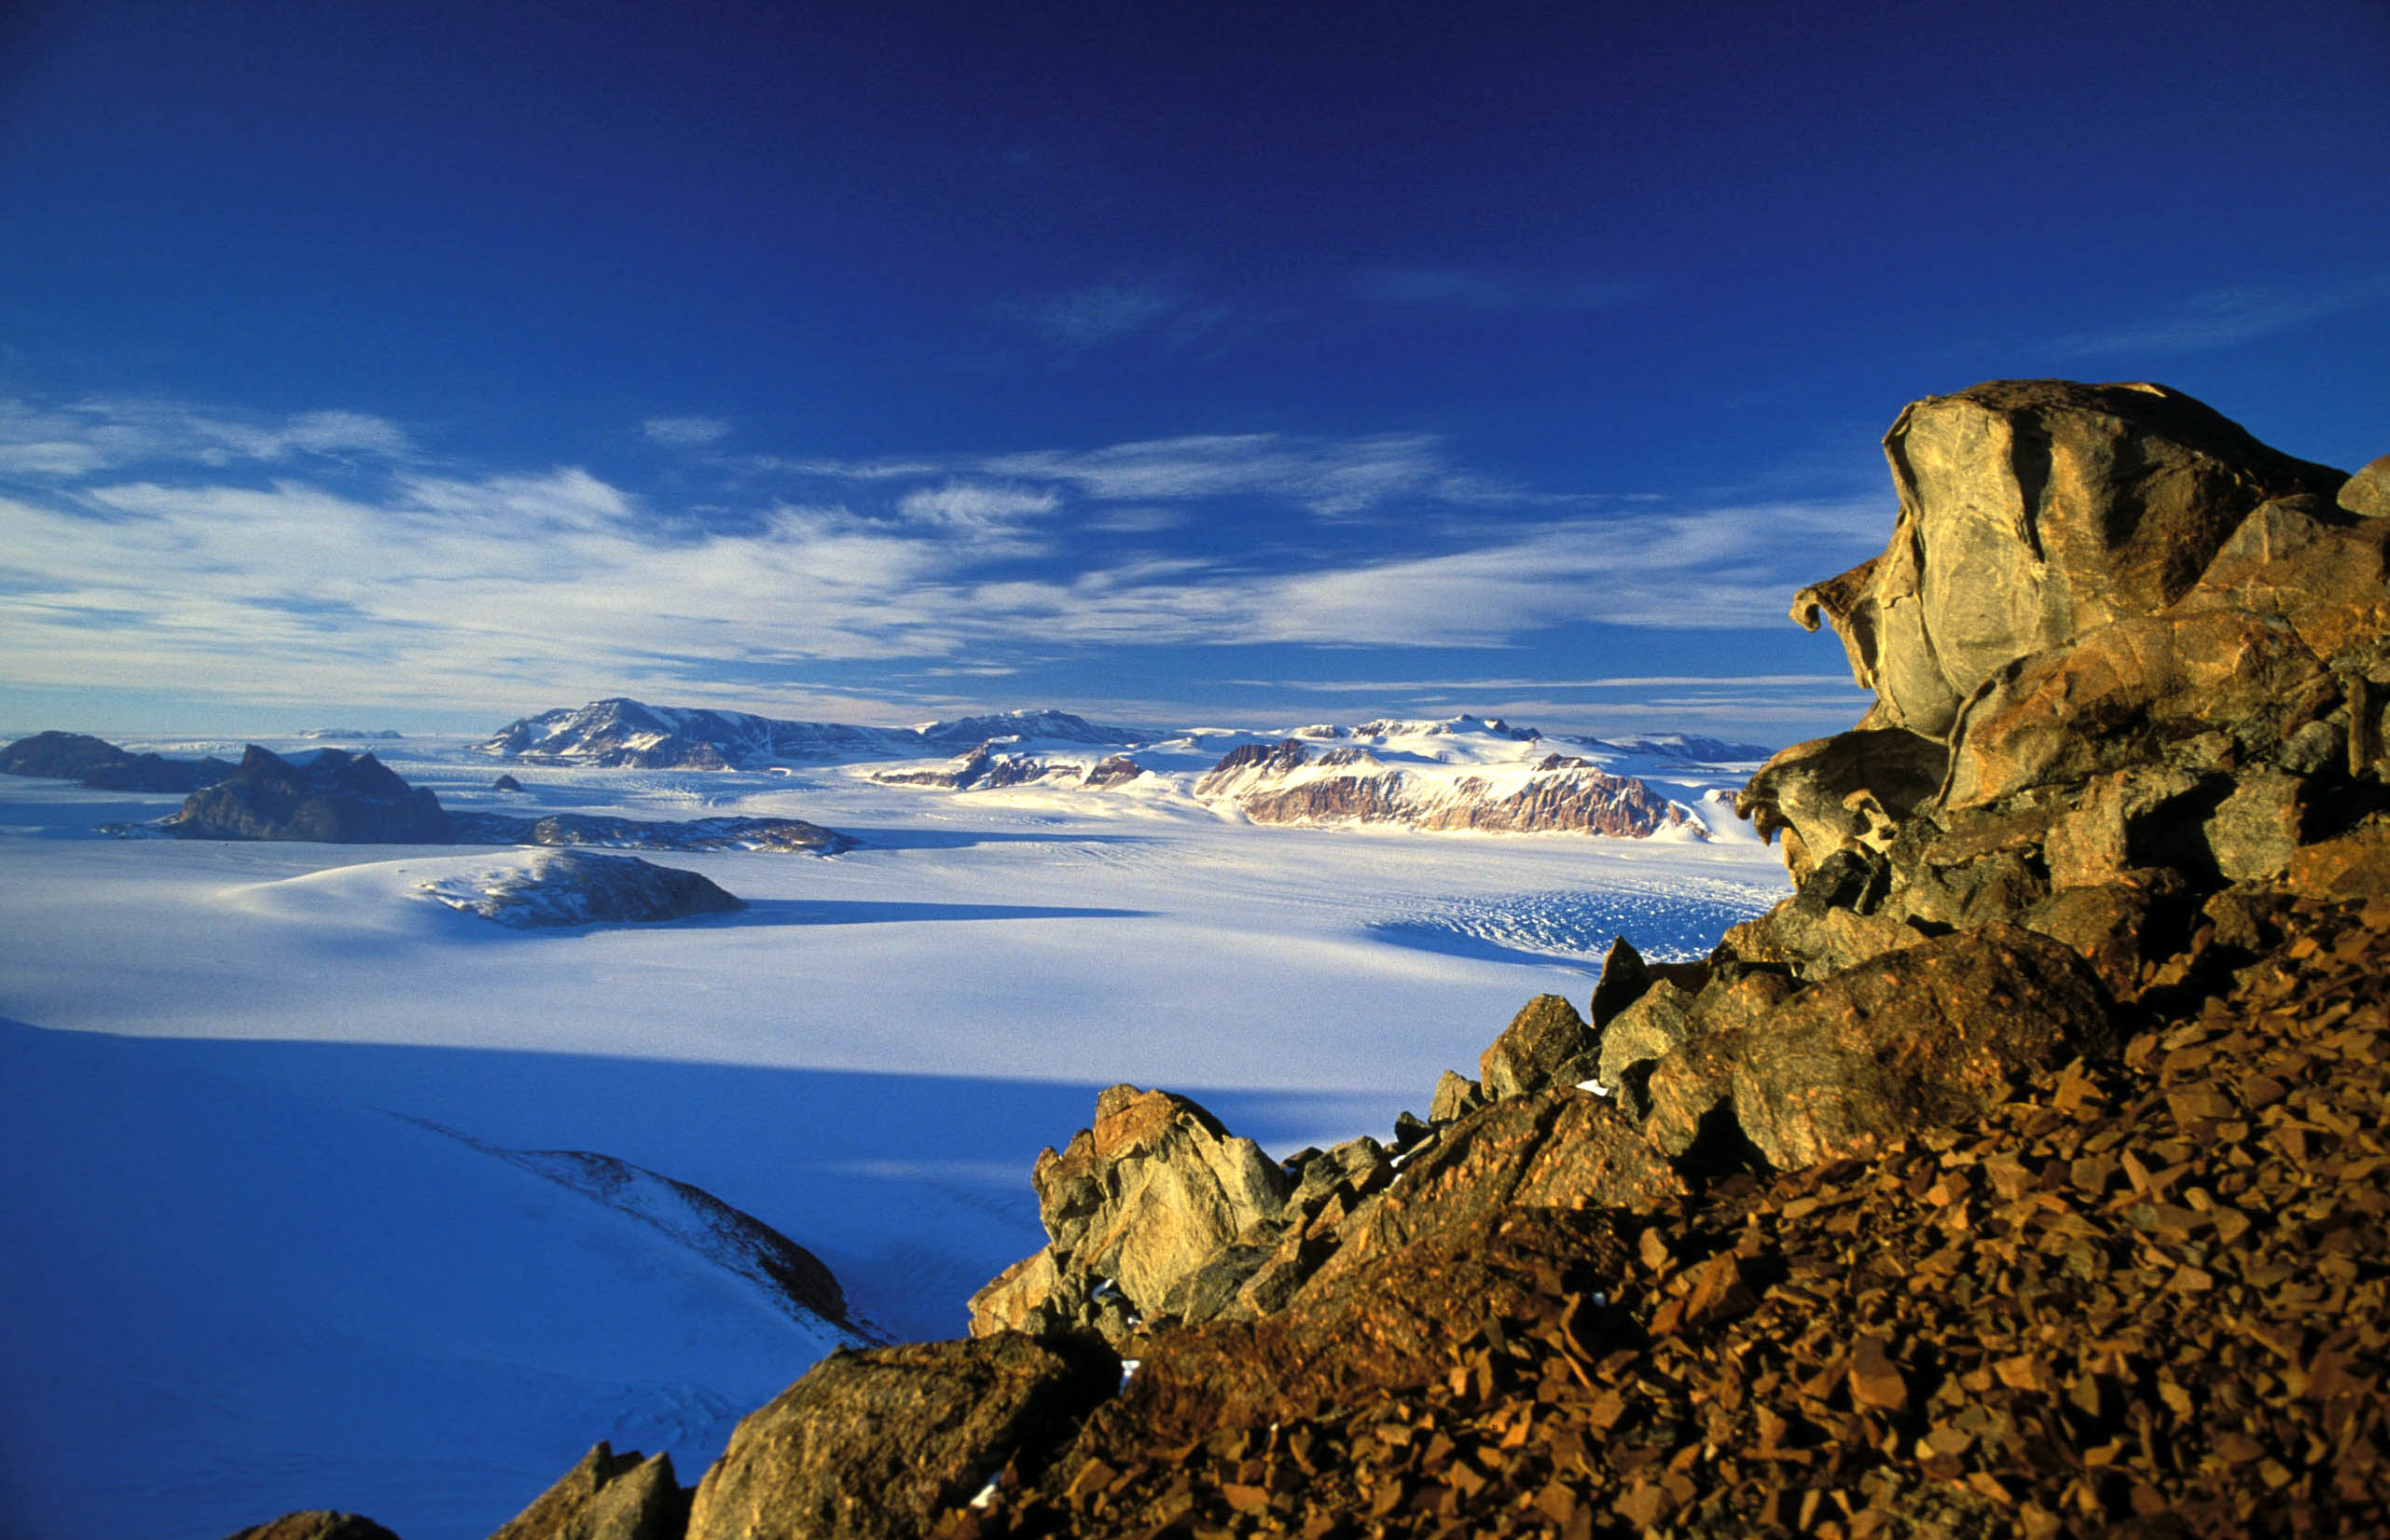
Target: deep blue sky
<point x="431" y="365"/>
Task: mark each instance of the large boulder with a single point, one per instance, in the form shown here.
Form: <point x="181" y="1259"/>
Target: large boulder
<point x="331" y="795"/>
<point x="607" y="1496"/>
<point x="1152" y="1192"/>
<point x="1546" y="1044"/>
<point x="2032" y="512"/>
<point x="1923" y="1038"/>
<point x="877" y="1445"/>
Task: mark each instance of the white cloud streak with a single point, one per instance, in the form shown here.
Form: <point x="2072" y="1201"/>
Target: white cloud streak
<point x="558" y="584"/>
<point x="685" y="431"/>
<point x="2225" y="318"/>
<point x="61" y="443"/>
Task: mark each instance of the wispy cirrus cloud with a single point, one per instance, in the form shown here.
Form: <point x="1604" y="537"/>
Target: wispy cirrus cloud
<point x="2226" y="318"/>
<point x="1333" y="477"/>
<point x="1102" y="312"/>
<point x="485" y="587"/>
<point x="686" y="432"/>
<point x="976" y="505"/>
<point x="86" y="437"/>
<point x="1153" y="314"/>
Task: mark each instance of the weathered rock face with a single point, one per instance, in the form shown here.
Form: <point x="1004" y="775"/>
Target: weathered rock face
<point x="335" y="797"/>
<point x="1152" y="1192"/>
<point x="317" y="1524"/>
<point x="2032" y="512"/>
<point x="1846" y="792"/>
<point x="2134" y="692"/>
<point x="875" y="1445"/>
<point x="607" y="1496"/>
<point x="2366" y="493"/>
<point x="1547" y="1043"/>
<point x="1153" y="1211"/>
<point x="1920" y="1039"/>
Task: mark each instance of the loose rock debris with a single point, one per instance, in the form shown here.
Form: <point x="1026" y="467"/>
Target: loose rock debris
<point x="2146" y="1297"/>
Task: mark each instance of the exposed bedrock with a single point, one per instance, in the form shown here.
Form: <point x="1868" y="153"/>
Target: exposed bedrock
<point x="2033" y="511"/>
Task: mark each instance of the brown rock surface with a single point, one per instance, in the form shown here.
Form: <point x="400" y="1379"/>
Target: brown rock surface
<point x="1545" y="1042"/>
<point x="2033" y="512"/>
<point x="1844" y="792"/>
<point x="1152" y="1192"/>
<point x="1660" y="1019"/>
<point x="2127" y="695"/>
<point x="875" y="1445"/>
<point x="607" y="1496"/>
<point x="1563" y="1150"/>
<point x="2366" y="493"/>
<point x="1914" y="1040"/>
<point x="317" y="1524"/>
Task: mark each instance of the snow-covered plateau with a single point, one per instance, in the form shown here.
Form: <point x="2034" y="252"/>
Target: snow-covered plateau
<point x="321" y="1192"/>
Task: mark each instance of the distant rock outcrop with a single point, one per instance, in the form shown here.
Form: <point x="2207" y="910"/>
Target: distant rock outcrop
<point x="629" y="733"/>
<point x="987" y="769"/>
<point x="604" y="832"/>
<point x="566" y="888"/>
<point x="331" y="795"/>
<point x="1293" y="783"/>
<point x="103" y="766"/>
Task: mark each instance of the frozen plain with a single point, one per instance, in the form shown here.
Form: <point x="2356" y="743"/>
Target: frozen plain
<point x="248" y="1278"/>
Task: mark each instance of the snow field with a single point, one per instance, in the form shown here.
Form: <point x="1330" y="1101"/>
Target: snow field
<point x="245" y="1285"/>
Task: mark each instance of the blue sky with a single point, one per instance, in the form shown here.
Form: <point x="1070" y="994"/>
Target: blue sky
<point x="427" y="366"/>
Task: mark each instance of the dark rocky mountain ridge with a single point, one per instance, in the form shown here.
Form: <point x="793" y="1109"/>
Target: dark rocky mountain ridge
<point x="97" y="763"/>
<point x="619" y="732"/>
<point x="2023" y="1174"/>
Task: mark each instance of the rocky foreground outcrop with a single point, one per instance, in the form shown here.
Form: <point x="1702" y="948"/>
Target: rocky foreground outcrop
<point x="2022" y="1175"/>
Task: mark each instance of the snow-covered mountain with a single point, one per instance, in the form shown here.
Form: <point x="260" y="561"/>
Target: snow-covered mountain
<point x="1294" y="783"/>
<point x="983" y="769"/>
<point x="623" y="732"/>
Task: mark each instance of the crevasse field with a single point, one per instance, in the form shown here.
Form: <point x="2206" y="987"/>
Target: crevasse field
<point x="268" y="1250"/>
